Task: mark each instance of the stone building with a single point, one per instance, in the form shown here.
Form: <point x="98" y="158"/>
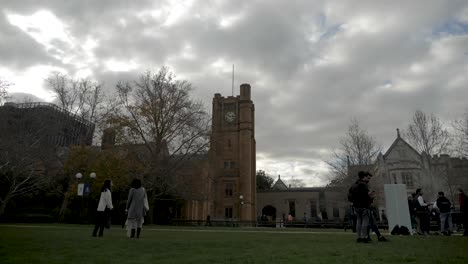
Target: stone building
<point x="315" y="204"/>
<point x="221" y="183"/>
<point x="402" y="164"/>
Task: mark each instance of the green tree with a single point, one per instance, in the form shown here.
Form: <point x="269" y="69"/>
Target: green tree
<point x="264" y="181"/>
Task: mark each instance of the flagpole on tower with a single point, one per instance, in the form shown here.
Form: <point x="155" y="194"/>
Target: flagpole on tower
<point x="232" y="79"/>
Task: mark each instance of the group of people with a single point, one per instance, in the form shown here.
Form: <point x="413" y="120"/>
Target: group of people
<point x="421" y="212"/>
<point x="136" y="208"/>
<point x="362" y="198"/>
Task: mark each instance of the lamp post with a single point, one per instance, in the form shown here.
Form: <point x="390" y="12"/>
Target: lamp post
<point x="241" y="203"/>
<point x="84" y="188"/>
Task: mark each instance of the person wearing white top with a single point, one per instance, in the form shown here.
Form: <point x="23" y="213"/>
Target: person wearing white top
<point x="423" y="213"/>
<point x="104" y="206"/>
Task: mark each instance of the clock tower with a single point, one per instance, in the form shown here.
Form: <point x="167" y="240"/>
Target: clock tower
<point x="232" y="155"/>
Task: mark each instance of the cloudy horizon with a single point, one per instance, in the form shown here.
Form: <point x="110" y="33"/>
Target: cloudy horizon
<point x="312" y="65"/>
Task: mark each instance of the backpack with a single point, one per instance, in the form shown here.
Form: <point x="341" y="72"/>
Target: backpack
<point x="417" y="206"/>
<point x="444" y="205"/>
<point x="351" y="193"/>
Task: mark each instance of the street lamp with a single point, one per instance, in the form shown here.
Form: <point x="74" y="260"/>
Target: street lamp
<point x="84" y="188"/>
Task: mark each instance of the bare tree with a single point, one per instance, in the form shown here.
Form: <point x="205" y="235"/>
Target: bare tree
<point x="427" y="134"/>
<point x="22" y="160"/>
<point x="21" y="173"/>
<point x="158" y="113"/>
<point x="356" y="148"/>
<point x="83" y="97"/>
<point x="461" y="135"/>
<point x="3" y="90"/>
<point x="295" y="182"/>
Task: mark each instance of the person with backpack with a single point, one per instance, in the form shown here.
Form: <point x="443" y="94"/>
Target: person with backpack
<point x="359" y="195"/>
<point x="445" y="215"/>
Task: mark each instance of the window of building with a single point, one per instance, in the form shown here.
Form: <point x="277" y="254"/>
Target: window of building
<point x="407" y="178"/>
<point x="313" y="209"/>
<point x="292" y="208"/>
<point x="336" y="213"/>
<point x="228" y="212"/>
<point x="229" y="164"/>
<point x="394" y="178"/>
<point x="229" y="189"/>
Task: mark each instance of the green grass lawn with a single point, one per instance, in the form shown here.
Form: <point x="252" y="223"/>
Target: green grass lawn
<point x="74" y="244"/>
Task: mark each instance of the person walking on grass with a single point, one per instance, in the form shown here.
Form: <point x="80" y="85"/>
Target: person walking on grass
<point x="137" y="206"/>
<point x="103" y="209"/>
<point x="359" y="195"/>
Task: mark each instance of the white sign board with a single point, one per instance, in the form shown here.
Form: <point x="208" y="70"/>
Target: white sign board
<point x="396" y="204"/>
<point x="80" y="189"/>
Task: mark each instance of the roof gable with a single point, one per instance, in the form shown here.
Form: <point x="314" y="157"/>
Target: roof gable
<point x="400" y="143"/>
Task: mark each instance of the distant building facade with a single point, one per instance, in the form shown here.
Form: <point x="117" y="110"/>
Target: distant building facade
<point x="310" y="204"/>
<point x="221" y="183"/>
<point x="47" y="123"/>
<point x="402" y="164"/>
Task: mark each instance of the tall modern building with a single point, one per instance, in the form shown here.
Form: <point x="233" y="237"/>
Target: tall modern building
<point x="42" y="125"/>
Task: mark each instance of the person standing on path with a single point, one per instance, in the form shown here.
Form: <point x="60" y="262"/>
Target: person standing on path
<point x="137" y="205"/>
<point x="103" y="209"/>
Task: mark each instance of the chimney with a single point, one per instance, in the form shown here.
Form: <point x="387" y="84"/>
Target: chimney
<point x="108" y="138"/>
<point x="245" y="91"/>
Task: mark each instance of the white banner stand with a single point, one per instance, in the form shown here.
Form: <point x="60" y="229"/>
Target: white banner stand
<point x="396" y="203"/>
<point x="80" y="189"/>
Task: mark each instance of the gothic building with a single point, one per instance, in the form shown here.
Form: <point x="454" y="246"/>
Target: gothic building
<point x="402" y="164"/>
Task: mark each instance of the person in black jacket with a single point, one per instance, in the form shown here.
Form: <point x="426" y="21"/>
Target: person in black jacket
<point x="361" y="199"/>
<point x="445" y="215"/>
<point x="463" y="200"/>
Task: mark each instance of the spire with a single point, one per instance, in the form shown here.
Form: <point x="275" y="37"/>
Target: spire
<point x="398" y="132"/>
<point x="279" y="177"/>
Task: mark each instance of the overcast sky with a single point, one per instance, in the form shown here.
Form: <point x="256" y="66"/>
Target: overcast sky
<point x="312" y="65"/>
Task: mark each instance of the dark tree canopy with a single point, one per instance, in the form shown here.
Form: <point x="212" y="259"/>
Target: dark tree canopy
<point x="264" y="181"/>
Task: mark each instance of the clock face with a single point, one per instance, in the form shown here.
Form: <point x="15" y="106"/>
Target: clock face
<point x="230" y="116"/>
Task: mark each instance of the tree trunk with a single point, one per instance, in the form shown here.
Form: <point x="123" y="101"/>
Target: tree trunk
<point x="4" y="204"/>
<point x="64" y="206"/>
<point x="150" y="217"/>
